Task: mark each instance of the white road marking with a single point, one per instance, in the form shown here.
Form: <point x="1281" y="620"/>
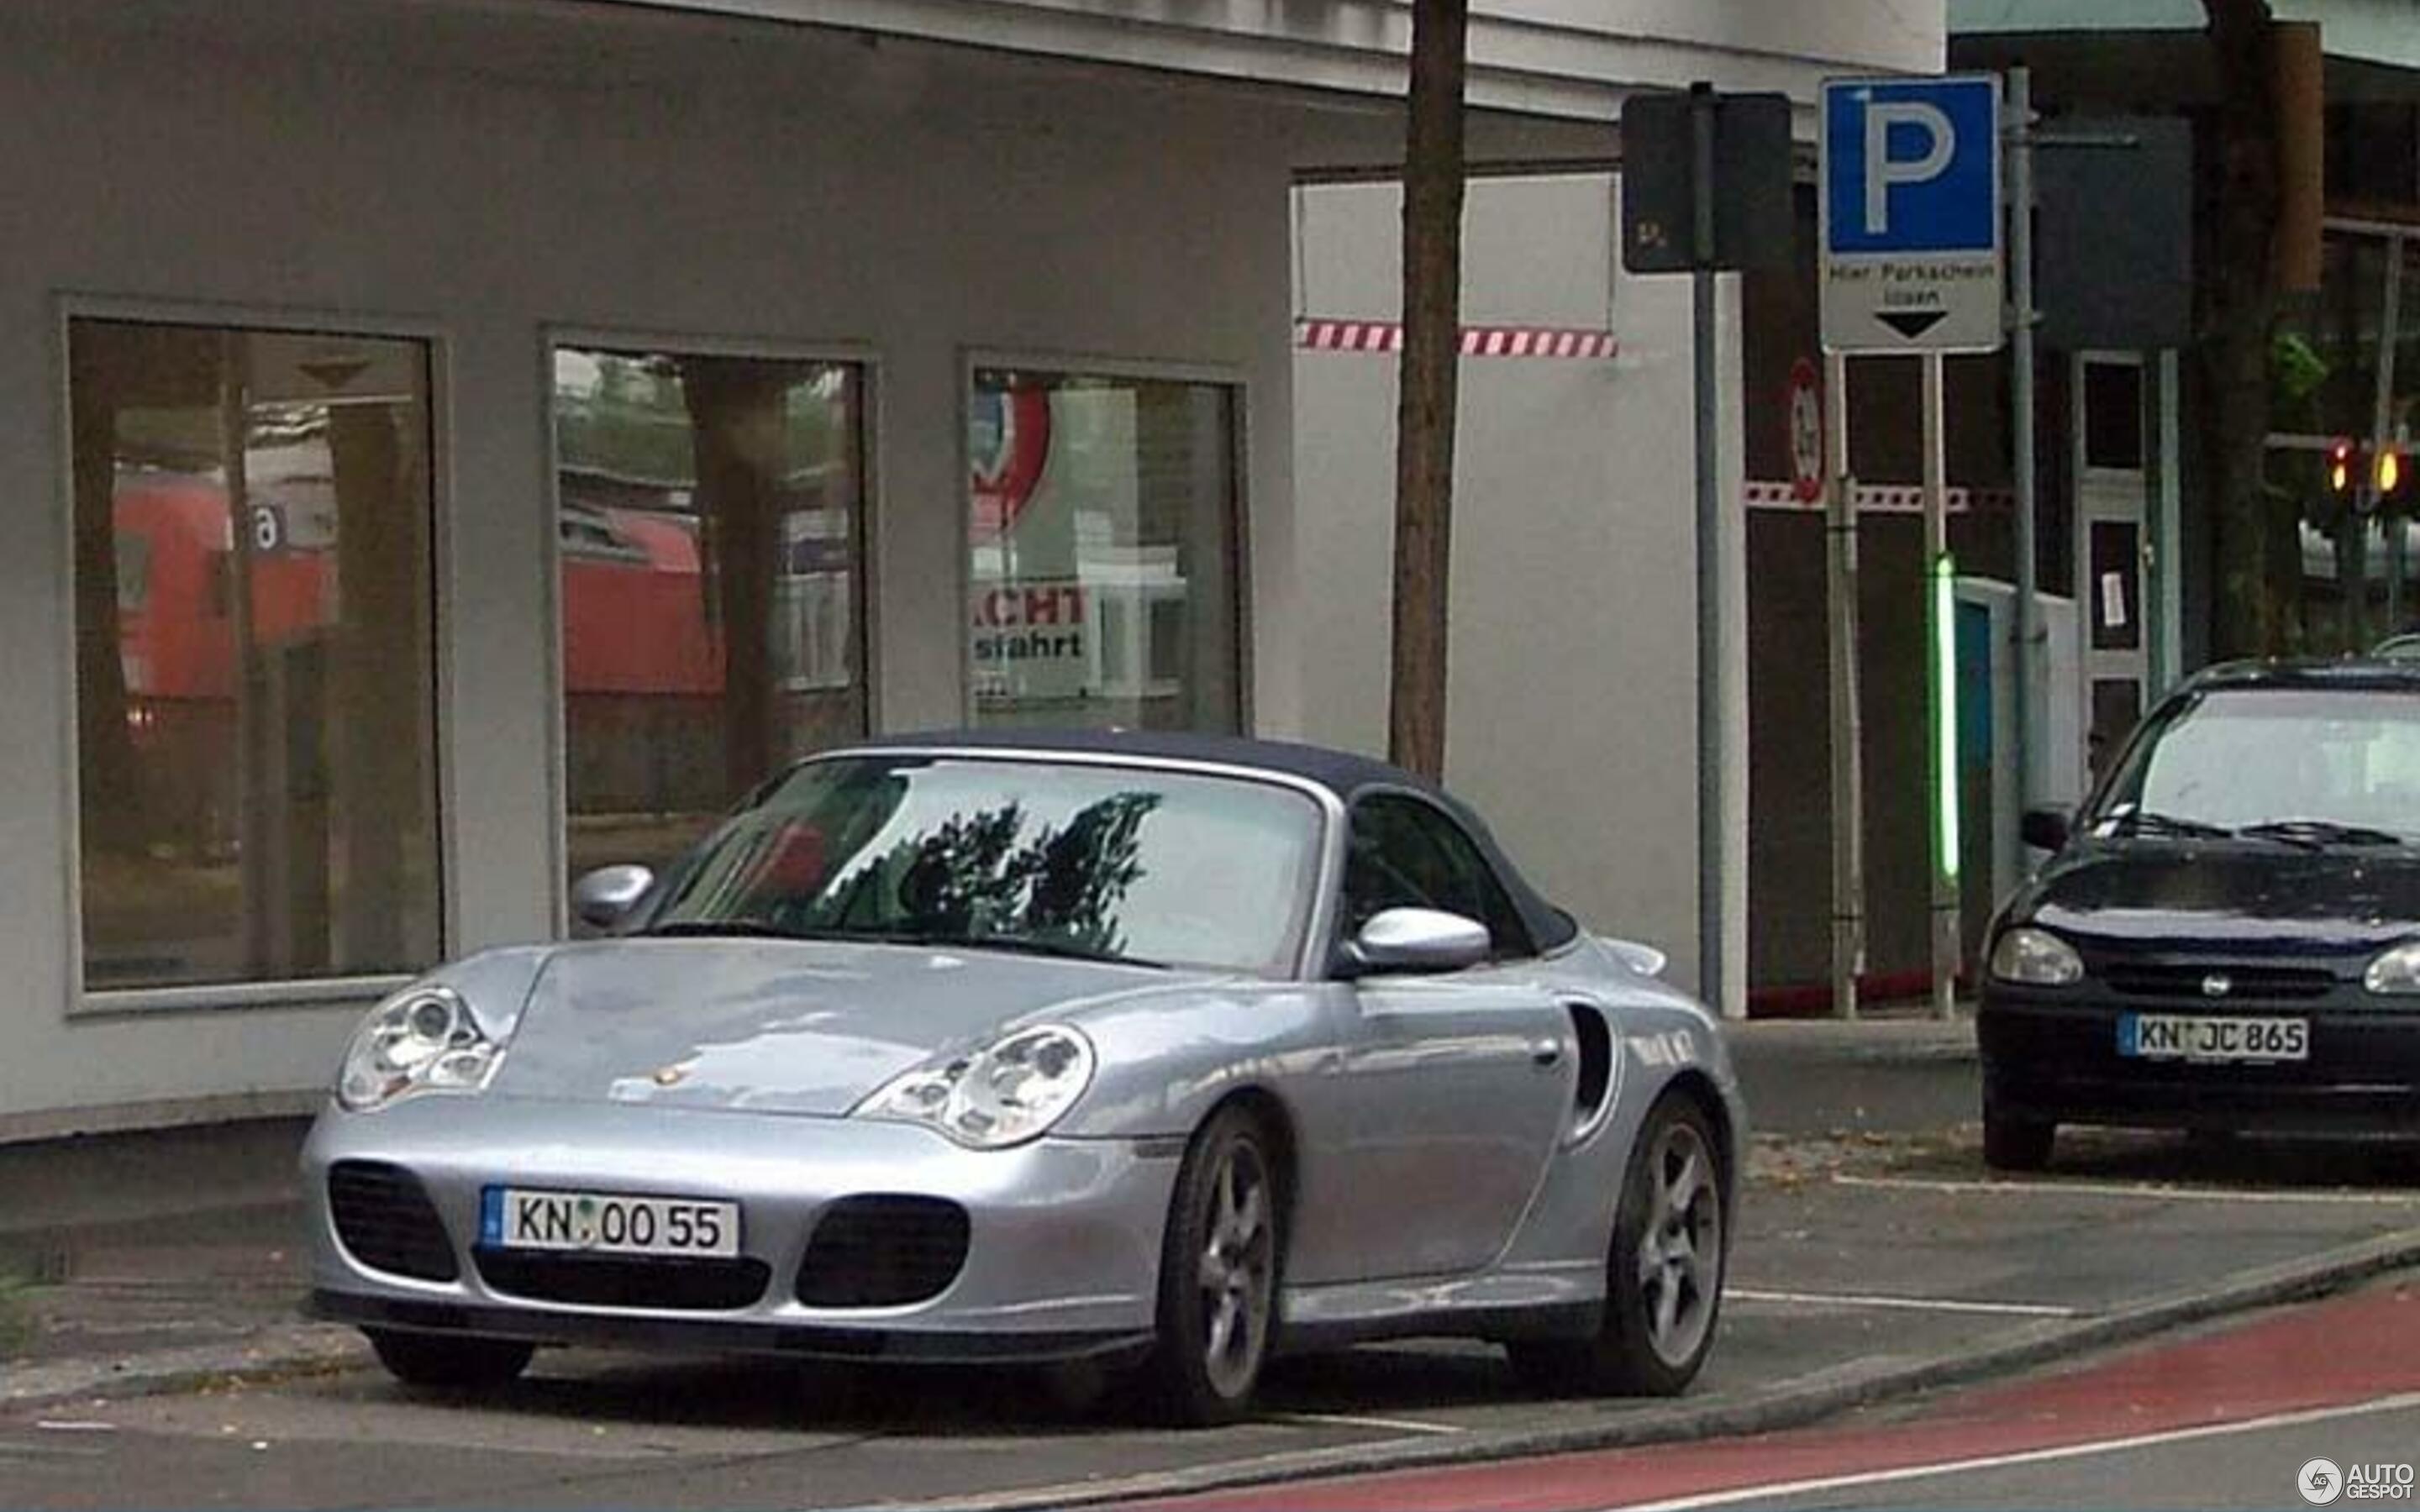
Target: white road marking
<point x="1778" y="1491"/>
<point x="1341" y="1420"/>
<point x="2131" y="1189"/>
<point x="1925" y="1305"/>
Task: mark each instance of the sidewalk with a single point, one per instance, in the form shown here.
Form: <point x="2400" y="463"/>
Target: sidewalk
<point x="153" y="1260"/>
<point x="1873" y="1257"/>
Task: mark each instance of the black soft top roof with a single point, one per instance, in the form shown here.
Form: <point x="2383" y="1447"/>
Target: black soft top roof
<point x="1342" y="773"/>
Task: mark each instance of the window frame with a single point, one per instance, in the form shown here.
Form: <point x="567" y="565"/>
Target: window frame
<point x="1066" y="364"/>
<point x="85" y="1002"/>
<point x="873" y="432"/>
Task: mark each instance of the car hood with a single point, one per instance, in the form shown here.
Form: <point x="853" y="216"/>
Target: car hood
<point x="2239" y="899"/>
<point x="778" y="1026"/>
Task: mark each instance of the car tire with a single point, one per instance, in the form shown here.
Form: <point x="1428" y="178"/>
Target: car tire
<point x="2012" y="1143"/>
<point x="449" y="1361"/>
<point x="1664" y="1269"/>
<point x="1220" y="1264"/>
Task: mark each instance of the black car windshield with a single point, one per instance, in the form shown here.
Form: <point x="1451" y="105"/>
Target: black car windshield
<point x="1103" y="862"/>
<point x="2295" y="765"/>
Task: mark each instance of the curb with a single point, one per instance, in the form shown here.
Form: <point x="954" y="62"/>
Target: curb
<point x="274" y="1353"/>
<point x="1796" y="1404"/>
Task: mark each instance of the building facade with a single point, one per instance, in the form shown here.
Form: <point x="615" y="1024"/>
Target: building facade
<point x="459" y="442"/>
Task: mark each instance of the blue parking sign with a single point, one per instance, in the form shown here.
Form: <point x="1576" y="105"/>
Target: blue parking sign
<point x="1910" y="213"/>
<point x="1914" y="165"/>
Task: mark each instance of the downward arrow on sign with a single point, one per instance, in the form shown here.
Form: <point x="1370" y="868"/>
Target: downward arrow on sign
<point x="1914" y="323"/>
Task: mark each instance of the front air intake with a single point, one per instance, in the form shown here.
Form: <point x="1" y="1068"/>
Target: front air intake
<point x="883" y="1252"/>
<point x="384" y="1220"/>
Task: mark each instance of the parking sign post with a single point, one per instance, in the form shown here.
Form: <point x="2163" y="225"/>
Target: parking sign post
<point x="1912" y="262"/>
<point x="1705" y="189"/>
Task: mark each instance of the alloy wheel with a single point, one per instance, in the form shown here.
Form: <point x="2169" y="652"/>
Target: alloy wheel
<point x="1238" y="1269"/>
<point x="1680" y="1254"/>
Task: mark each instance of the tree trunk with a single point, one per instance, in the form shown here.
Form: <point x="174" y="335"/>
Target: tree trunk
<point x="2258" y="537"/>
<point x="737" y="420"/>
<point x="1425" y="416"/>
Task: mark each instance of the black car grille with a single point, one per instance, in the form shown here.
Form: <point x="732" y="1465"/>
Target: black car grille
<point x="386" y="1220"/>
<point x="683" y="1284"/>
<point x="883" y="1252"/>
<point x="2247" y="983"/>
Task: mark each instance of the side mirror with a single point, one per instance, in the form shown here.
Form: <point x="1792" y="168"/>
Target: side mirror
<point x="2044" y="829"/>
<point x="602" y="897"/>
<point x="1416" y="940"/>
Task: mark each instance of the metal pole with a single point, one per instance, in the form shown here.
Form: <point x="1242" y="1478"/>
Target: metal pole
<point x="2021" y="360"/>
<point x="2381" y="435"/>
<point x="1848" y="725"/>
<point x="2167" y="530"/>
<point x="1710" y="604"/>
<point x="1941" y="692"/>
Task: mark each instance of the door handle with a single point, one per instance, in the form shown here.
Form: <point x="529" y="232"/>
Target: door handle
<point x="1545" y="1052"/>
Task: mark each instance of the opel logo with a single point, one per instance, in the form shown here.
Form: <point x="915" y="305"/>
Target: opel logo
<point x="2217" y="984"/>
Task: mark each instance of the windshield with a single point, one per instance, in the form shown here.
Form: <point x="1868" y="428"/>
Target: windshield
<point x="2308" y="763"/>
<point x="1098" y="862"/>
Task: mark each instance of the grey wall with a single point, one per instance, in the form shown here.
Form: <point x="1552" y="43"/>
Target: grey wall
<point x="1572" y="688"/>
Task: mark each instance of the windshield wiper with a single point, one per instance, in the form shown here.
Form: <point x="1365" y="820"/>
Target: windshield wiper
<point x="737" y="928"/>
<point x="2151" y="822"/>
<point x="1017" y="944"/>
<point x="2319" y="832"/>
<point x="1067" y="949"/>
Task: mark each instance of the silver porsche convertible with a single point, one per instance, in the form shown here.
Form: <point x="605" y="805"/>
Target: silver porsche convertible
<point x="1167" y="1052"/>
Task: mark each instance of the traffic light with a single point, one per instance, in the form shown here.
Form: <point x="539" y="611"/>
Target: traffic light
<point x="2388" y="475"/>
<point x="2340" y="466"/>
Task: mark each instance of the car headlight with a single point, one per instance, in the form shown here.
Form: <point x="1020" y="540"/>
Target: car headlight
<point x="2396" y="973"/>
<point x="2035" y="958"/>
<point x="421" y="1040"/>
<point x="1003" y="1094"/>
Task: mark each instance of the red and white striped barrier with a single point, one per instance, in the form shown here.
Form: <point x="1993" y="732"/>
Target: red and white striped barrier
<point x="1477" y="341"/>
<point x="1885" y="497"/>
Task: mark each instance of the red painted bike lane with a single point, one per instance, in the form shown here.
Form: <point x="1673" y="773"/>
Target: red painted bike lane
<point x="2335" y="1353"/>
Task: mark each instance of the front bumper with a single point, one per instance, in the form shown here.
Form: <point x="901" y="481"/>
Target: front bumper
<point x="1062" y="1256"/>
<point x="2054" y="1055"/>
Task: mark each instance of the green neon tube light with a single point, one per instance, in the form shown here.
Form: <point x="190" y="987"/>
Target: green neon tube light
<point x="1945" y="712"/>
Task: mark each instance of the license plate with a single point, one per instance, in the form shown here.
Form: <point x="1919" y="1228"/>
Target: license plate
<point x="607" y="1223"/>
<point x="2201" y="1037"/>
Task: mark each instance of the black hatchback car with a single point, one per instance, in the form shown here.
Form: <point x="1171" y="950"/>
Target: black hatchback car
<point x="2228" y="935"/>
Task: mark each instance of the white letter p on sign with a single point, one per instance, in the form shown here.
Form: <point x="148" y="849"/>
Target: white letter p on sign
<point x="1882" y="172"/>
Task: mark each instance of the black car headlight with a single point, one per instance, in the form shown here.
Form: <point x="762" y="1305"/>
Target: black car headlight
<point x="2035" y="958"/>
<point x="421" y="1040"/>
<point x="1005" y="1093"/>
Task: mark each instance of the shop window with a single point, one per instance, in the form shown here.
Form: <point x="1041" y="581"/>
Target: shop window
<point x="254" y="654"/>
<point x="1103" y="537"/>
<point x="710" y="520"/>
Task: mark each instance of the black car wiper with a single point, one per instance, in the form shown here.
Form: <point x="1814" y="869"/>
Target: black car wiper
<point x="735" y="929"/>
<point x="2151" y="822"/>
<point x="2318" y="832"/>
<point x="1018" y="944"/>
<point x="1066" y="950"/>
